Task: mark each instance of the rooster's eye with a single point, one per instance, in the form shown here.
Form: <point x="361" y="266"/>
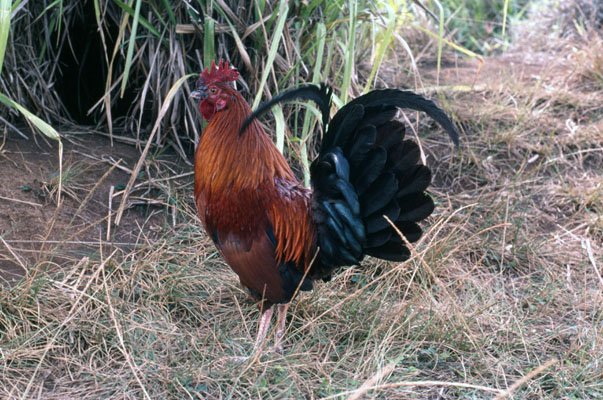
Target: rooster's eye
<point x="212" y="90"/>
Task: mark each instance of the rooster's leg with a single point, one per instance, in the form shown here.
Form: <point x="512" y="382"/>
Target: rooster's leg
<point x="280" y="330"/>
<point x="263" y="327"/>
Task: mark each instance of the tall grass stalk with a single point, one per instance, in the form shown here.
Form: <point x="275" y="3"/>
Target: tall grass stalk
<point x="59" y="19"/>
<point x="440" y="38"/>
<point x="109" y="83"/>
<point x="321" y="35"/>
<point x="274" y="44"/>
<point x="504" y="22"/>
<point x="209" y="40"/>
<point x="131" y="43"/>
<point x="383" y="45"/>
<point x="349" y="50"/>
<point x="4" y="28"/>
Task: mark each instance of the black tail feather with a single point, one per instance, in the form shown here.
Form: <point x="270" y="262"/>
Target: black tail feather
<point x="375" y="222"/>
<point x="369" y="169"/>
<point x="377" y="239"/>
<point x="415" y="207"/>
<point x="379" y="194"/>
<point x="411" y="231"/>
<point x="391" y="251"/>
<point x="382" y="177"/>
<point x="414" y="180"/>
<point x="321" y="95"/>
<point x="382" y="100"/>
<point x="404" y="156"/>
<point x="361" y="145"/>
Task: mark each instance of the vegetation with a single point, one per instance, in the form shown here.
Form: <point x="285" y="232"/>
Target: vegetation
<point x="481" y="25"/>
<point x="502" y="296"/>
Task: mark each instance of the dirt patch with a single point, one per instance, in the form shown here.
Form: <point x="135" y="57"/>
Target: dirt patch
<point x="497" y="71"/>
<point x="36" y="233"/>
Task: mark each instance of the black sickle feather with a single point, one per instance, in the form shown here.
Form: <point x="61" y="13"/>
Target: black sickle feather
<point x="321" y="95"/>
<point x="382" y="99"/>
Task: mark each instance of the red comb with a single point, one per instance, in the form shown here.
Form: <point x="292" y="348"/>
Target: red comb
<point x="221" y="73"/>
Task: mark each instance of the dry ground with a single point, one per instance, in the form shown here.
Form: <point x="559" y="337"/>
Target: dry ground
<point x="503" y="296"/>
<point x="34" y="231"/>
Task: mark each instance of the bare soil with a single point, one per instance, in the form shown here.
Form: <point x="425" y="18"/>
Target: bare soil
<point x="35" y="232"/>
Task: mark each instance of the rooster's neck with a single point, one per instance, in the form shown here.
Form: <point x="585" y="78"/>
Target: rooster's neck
<point x="224" y="159"/>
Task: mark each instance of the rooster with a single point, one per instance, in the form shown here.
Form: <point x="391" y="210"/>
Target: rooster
<point x="280" y="236"/>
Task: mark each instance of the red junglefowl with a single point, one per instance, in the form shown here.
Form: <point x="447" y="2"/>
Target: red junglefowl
<point x="280" y="236"/>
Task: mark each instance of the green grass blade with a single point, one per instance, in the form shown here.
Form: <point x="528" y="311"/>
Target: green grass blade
<point x="45" y="128"/>
<point x="440" y="38"/>
<point x="15" y="5"/>
<point x="382" y="47"/>
<point x="157" y="14"/>
<point x="209" y="51"/>
<point x="337" y="101"/>
<point x="131" y="43"/>
<point x="48" y="8"/>
<point x="279" y="118"/>
<point x="168" y="8"/>
<point x="276" y="39"/>
<point x="321" y="34"/>
<point x="142" y="20"/>
<point x="97" y="12"/>
<point x="4" y="28"/>
<point x="60" y="21"/>
<point x="350" y="50"/>
<point x="504" y="23"/>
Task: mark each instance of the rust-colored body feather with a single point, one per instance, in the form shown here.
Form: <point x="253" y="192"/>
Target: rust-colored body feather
<point x="249" y="201"/>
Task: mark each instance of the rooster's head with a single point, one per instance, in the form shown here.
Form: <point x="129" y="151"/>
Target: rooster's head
<point x="213" y="90"/>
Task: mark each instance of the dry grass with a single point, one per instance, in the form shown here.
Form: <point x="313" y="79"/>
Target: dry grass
<point x="502" y="298"/>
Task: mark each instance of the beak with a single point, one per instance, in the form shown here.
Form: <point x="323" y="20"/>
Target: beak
<point x="198" y="94"/>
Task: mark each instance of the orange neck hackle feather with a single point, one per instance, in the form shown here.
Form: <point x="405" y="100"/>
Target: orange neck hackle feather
<point x="243" y="184"/>
<point x="238" y="161"/>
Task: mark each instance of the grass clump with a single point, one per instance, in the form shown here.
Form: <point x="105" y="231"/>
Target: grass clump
<point x="483" y="26"/>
